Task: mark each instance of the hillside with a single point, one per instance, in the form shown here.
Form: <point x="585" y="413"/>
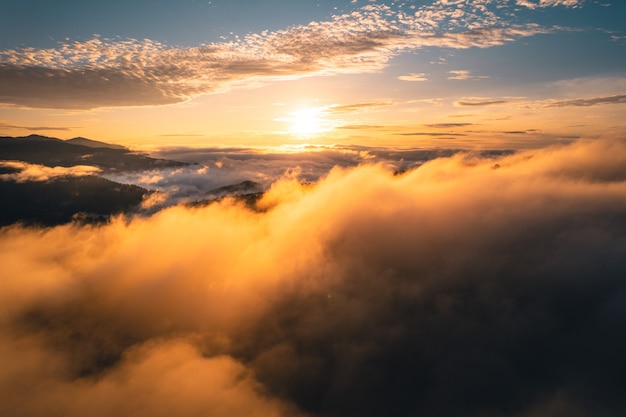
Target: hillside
<point x="60" y="200"/>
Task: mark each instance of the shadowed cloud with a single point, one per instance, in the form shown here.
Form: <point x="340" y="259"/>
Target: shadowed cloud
<point x="588" y="102"/>
<point x="448" y="125"/>
<point x="35" y="128"/>
<point x="351" y="108"/>
<point x="482" y="102"/>
<point x="447" y="134"/>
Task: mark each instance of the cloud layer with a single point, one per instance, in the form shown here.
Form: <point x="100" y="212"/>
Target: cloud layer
<point x="468" y="286"/>
<point x="132" y="72"/>
<point x="212" y="169"/>
<point x="21" y="171"/>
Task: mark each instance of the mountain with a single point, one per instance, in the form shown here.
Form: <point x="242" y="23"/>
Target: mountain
<point x="89" y="199"/>
<point x="90" y="143"/>
<point x="43" y="150"/>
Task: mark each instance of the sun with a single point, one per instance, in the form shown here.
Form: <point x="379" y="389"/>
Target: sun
<point x="306" y="122"/>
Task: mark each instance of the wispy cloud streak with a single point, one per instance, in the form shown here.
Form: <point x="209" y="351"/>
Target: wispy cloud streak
<point x="34" y="128"/>
<point x="587" y="102"/>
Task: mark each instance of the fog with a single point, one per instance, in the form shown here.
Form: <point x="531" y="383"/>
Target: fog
<point x="466" y="286"/>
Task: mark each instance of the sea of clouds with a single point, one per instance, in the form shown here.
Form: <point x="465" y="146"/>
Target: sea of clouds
<point x="468" y="286"/>
<point x="212" y="172"/>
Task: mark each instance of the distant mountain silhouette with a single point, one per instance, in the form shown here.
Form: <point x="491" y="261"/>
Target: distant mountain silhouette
<point x="90" y="143"/>
<point x="43" y="150"/>
<point x="87" y="199"/>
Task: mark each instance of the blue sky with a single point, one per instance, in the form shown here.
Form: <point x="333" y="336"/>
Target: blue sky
<point x="218" y="70"/>
<point x="40" y="23"/>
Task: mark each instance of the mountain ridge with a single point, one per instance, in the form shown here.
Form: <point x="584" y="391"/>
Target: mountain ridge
<point x="48" y="151"/>
<point x="90" y="143"/>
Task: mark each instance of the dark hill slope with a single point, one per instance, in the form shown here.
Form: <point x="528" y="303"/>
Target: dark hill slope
<point x="60" y="200"/>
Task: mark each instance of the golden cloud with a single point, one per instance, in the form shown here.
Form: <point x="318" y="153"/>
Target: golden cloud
<point x="364" y="294"/>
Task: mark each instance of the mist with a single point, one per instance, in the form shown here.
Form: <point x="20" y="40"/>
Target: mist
<point x="465" y="286"/>
<point x="211" y="170"/>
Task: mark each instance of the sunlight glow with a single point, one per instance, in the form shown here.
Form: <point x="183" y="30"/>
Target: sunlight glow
<point x="305" y="123"/>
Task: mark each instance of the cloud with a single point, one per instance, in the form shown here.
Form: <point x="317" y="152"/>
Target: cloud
<point x="34" y="128"/>
<point x="587" y="102"/>
<point x="362" y="127"/>
<point x="532" y="4"/>
<point x="578" y="102"/>
<point x="352" y="108"/>
<point x="117" y="72"/>
<point x="447" y="134"/>
<point x="452" y="289"/>
<point x="215" y="168"/>
<point x="482" y="102"/>
<point x="414" y="77"/>
<point x="448" y="125"/>
<point x="217" y="172"/>
<point x="159" y="379"/>
<point x="464" y="75"/>
<point x="22" y="171"/>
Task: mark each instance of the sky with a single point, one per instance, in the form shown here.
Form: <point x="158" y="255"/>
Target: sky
<point x="416" y="74"/>
<point x="441" y="230"/>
